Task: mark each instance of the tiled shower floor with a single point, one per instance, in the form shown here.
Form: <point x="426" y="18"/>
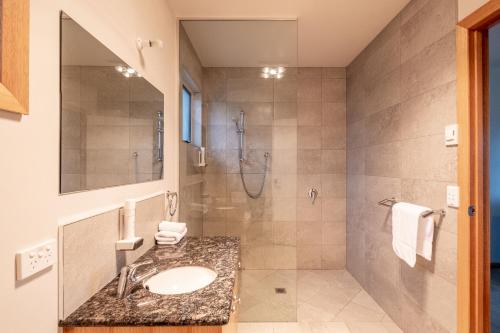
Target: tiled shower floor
<point x="316" y="301"/>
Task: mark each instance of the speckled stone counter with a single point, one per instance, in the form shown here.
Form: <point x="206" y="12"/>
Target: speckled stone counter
<point x="208" y="306"/>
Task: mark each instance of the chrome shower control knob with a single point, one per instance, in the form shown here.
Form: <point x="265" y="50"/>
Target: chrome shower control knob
<point x="312" y="194"/>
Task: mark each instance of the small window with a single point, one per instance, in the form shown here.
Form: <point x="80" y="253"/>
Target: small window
<point x="186" y="114"/>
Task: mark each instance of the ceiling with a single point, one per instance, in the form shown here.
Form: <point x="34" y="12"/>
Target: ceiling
<point x="244" y="43"/>
<point x="330" y="32"/>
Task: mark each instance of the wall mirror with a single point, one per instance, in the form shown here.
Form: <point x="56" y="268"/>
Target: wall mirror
<point x="111" y="117"/>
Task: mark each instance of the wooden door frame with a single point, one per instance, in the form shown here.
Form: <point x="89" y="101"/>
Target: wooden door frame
<point x="473" y="272"/>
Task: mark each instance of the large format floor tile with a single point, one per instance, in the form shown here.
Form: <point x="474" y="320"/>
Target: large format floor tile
<point x="316" y="301"/>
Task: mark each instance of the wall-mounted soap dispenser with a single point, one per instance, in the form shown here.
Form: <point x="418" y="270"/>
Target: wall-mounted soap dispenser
<point x="129" y="241"/>
<point x="202" y="157"/>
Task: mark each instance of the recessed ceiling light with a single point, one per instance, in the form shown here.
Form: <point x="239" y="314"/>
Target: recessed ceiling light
<point x="127" y="71"/>
<point x="273" y="72"/>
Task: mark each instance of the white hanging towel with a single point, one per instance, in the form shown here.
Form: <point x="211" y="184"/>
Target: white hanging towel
<point x="412" y="234"/>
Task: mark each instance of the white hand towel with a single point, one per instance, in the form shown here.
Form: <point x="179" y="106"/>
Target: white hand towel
<point x="169" y="237"/>
<point x="172" y="226"/>
<point x="425" y="237"/>
<point x="411" y="233"/>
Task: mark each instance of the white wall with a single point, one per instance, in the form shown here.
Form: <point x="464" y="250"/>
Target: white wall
<point x="465" y="7"/>
<point x="29" y="146"/>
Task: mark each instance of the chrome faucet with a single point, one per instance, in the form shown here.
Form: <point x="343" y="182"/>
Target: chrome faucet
<point x="129" y="280"/>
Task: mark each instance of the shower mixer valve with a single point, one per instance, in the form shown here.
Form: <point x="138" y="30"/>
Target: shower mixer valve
<point x="312" y="194"/>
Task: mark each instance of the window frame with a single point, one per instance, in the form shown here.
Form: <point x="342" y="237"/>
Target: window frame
<point x="185" y="89"/>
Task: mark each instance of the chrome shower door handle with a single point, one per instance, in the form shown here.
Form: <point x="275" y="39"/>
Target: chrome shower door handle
<point x="312" y="194"/>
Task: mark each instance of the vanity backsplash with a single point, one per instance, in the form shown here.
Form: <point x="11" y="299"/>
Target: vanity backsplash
<point x="89" y="259"/>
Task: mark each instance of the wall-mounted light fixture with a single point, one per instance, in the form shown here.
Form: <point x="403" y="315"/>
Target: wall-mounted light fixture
<point x="127" y="71"/>
<point x="273" y="72"/>
<point x="142" y="43"/>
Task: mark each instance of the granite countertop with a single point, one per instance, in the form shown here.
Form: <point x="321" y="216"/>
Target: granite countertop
<point x="208" y="306"/>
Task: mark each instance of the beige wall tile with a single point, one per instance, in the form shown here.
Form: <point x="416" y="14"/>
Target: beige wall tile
<point x="400" y="95"/>
<point x="432" y="67"/>
<point x="309" y="161"/>
<point x="333" y="114"/>
<point x="308" y="233"/>
<point x="309" y="257"/>
<point x="108" y="161"/>
<point x="356" y="161"/>
<point x="356" y="134"/>
<point x="333" y="161"/>
<point x="70" y="161"/>
<point x="285" y="114"/>
<point x="443" y="165"/>
<point x="108" y="137"/>
<point x="430" y="24"/>
<point x="285" y="233"/>
<point x="310" y="72"/>
<point x="428" y="113"/>
<point x="309" y="113"/>
<point x="249" y="90"/>
<point x="309" y="89"/>
<point x="300" y="105"/>
<point x="284" y="137"/>
<point x="385" y="126"/>
<point x="256" y="113"/>
<point x="333" y="209"/>
<point x="286" y="89"/>
<point x="307" y="181"/>
<point x="333" y="256"/>
<point x="214" y="84"/>
<point x="384" y="160"/>
<point x="284" y="186"/>
<point x="285" y="161"/>
<point x="334" y="90"/>
<point x="217" y="114"/>
<point x="333" y="137"/>
<point x="284" y="209"/>
<point x="309" y="137"/>
<point x="90" y="243"/>
<point x="307" y="211"/>
<point x="333" y="233"/>
<point x="418" y="284"/>
<point x="334" y="73"/>
<point x="333" y="186"/>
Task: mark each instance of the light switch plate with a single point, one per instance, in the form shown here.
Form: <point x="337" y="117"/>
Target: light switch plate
<point x="452" y="196"/>
<point x="451" y="135"/>
<point x="35" y="259"/>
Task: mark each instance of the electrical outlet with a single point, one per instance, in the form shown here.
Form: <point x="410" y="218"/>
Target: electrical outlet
<point x="452" y="196"/>
<point x="35" y="259"/>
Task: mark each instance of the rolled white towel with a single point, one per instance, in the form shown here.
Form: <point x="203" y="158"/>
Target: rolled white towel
<point x="172" y="226"/>
<point x="169" y="237"/>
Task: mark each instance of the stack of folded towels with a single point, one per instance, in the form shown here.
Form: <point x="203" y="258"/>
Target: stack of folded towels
<point x="170" y="233"/>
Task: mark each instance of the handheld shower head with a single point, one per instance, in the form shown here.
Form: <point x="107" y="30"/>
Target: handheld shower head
<point x="240" y="124"/>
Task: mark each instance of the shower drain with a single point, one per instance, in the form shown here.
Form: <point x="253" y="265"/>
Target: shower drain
<point x="280" y="290"/>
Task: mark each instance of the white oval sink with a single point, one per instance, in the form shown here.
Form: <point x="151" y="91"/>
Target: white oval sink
<point x="180" y="280"/>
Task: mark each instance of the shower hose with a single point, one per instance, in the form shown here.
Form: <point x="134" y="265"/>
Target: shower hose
<point x="259" y="193"/>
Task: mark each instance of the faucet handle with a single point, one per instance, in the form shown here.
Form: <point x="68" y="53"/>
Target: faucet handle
<point x="142" y="263"/>
<point x="133" y="267"/>
<point x="145" y="275"/>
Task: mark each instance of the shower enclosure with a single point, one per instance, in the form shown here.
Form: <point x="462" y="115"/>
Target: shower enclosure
<point x="273" y="132"/>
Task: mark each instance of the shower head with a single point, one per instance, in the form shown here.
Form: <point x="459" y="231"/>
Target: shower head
<point x="240" y="124"/>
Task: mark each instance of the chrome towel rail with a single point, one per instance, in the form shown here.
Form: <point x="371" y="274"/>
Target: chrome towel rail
<point x="389" y="202"/>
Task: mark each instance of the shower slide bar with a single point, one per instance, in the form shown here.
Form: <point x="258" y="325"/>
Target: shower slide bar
<point x="392" y="201"/>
